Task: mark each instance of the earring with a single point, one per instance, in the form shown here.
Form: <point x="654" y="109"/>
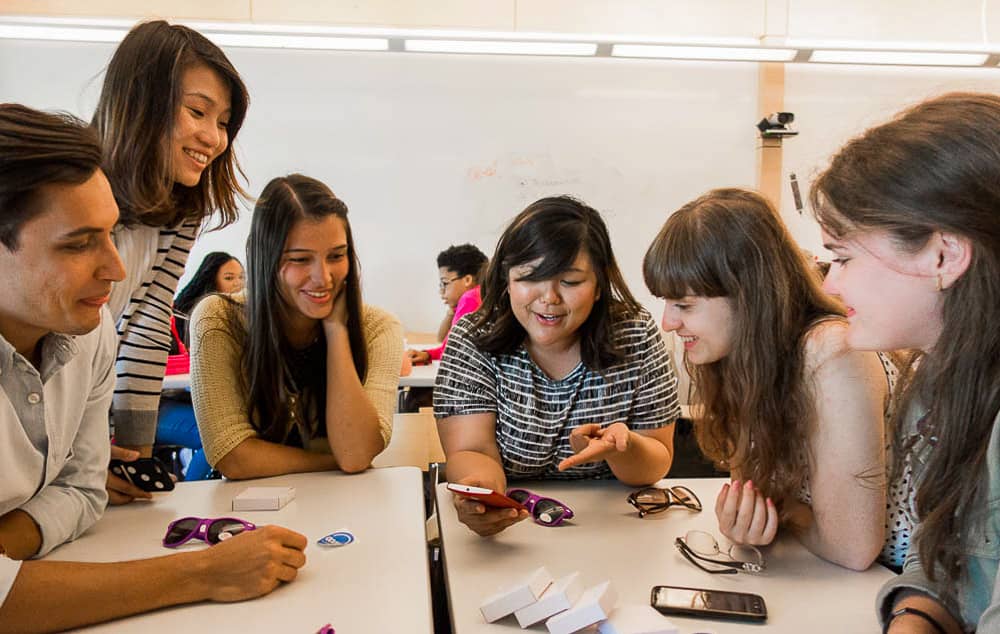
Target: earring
<point x="939" y="284"/>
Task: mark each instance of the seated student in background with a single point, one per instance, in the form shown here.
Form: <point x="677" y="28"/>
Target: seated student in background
<point x="560" y="374"/>
<point x="783" y="403"/>
<point x="459" y="268"/>
<point x="219" y="272"/>
<point x="57" y="354"/>
<point x="911" y="211"/>
<point x="297" y="374"/>
<point x="175" y="425"/>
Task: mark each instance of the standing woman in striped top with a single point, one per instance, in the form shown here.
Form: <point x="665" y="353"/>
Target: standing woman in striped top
<point x="170" y="107"/>
<point x="560" y="374"/>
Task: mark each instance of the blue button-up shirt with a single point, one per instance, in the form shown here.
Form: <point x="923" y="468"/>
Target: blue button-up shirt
<point x="54" y="447"/>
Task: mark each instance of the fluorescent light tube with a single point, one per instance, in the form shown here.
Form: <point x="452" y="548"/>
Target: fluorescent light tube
<point x="61" y="33"/>
<point x="498" y="47"/>
<point x="322" y="42"/>
<point x="750" y="54"/>
<point x="899" y="58"/>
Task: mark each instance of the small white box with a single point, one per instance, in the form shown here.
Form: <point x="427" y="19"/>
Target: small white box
<point x="517" y="596"/>
<point x="263" y="498"/>
<point x="593" y="607"/>
<point x="559" y="596"/>
<point x="636" y="618"/>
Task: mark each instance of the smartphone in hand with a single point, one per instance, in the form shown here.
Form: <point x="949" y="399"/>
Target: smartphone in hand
<point x="148" y="474"/>
<point x="488" y="497"/>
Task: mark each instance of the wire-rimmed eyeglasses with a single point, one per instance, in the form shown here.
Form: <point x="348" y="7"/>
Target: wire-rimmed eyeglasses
<point x="443" y="284"/>
<point x="654" y="500"/>
<point x="699" y="546"/>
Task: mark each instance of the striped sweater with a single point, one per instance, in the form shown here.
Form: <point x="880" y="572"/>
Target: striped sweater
<point x="154" y="259"/>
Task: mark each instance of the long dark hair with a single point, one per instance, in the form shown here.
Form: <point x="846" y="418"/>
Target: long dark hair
<point x="757" y="403"/>
<point x="203" y="281"/>
<point x="556" y="230"/>
<point x="936" y="167"/>
<point x="285" y="201"/>
<point x="39" y="149"/>
<point x="135" y="118"/>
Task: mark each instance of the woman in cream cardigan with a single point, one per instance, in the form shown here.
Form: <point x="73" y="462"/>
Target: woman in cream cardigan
<point x="296" y="374"/>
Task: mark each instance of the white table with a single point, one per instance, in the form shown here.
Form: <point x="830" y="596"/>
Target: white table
<point x="177" y="382"/>
<point x="379" y="583"/>
<point x="421" y="376"/>
<point x="607" y="540"/>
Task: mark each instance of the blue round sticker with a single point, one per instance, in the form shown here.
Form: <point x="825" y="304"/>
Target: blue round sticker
<point x="337" y="538"/>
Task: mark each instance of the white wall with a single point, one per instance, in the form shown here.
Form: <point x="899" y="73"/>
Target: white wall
<point x="432" y="150"/>
<point x="428" y="150"/>
<point x="834" y="103"/>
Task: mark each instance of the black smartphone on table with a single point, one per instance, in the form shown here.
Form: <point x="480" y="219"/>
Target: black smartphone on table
<point x="148" y="474"/>
<point x="711" y="604"/>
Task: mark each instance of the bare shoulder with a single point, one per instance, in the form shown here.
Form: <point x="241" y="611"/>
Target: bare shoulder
<point x="836" y="367"/>
<point x="825" y="341"/>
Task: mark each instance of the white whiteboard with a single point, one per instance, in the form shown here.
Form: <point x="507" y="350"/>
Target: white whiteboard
<point x="433" y="150"/>
<point x="834" y="103"/>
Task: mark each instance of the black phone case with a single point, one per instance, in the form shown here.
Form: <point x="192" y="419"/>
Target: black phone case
<point x="710" y="614"/>
<point x="148" y="474"/>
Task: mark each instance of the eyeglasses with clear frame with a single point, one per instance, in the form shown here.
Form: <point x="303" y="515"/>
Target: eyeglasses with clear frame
<point x="699" y="546"/>
<point x="443" y="284"/>
<point x="655" y="500"/>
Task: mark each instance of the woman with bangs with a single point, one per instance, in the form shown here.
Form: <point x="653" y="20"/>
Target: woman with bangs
<point x="170" y="108"/>
<point x="560" y="374"/>
<point x="911" y="209"/>
<point x="296" y="373"/>
<point x="781" y="400"/>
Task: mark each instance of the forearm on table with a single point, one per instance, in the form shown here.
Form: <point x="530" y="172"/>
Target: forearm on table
<point x="352" y="422"/>
<point x="645" y="461"/>
<point x="20" y="536"/>
<point x="913" y="624"/>
<point x="95" y="592"/>
<point x="854" y="547"/>
<point x="477" y="465"/>
<point x="257" y="458"/>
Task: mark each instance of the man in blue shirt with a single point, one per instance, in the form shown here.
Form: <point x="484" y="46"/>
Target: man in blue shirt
<point x="57" y="354"/>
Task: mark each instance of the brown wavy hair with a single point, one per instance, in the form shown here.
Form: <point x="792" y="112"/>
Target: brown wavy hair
<point x="135" y="118"/>
<point x="936" y="167"/>
<point x="757" y="402"/>
<point x="555" y="229"/>
<point x="39" y="149"/>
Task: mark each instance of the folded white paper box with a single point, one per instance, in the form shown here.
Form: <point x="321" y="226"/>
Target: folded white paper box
<point x="636" y="618"/>
<point x="517" y="596"/>
<point x="594" y="606"/>
<point x="263" y="498"/>
<point x="559" y="596"/>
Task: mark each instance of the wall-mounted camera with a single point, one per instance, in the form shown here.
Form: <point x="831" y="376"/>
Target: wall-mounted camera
<point x="777" y="124"/>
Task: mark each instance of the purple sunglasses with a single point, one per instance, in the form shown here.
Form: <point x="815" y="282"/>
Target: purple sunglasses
<point x="545" y="511"/>
<point x="208" y="530"/>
